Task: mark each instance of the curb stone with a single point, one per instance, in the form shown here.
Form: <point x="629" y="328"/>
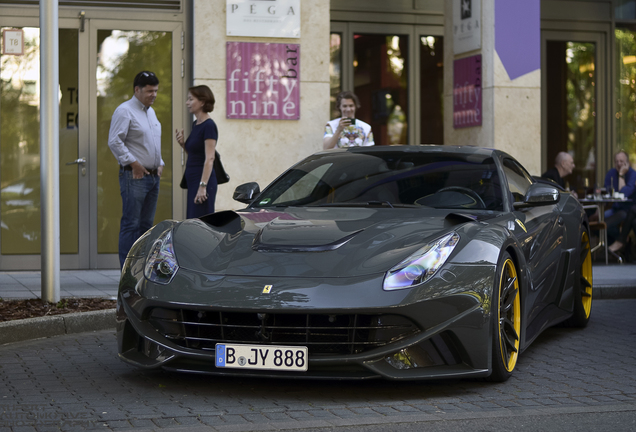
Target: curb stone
<point x="55" y="325"/>
<point x="613" y="292"/>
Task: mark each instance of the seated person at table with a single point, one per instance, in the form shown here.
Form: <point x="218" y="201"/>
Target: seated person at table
<point x="628" y="225"/>
<point x="621" y="178"/>
<point x="563" y="166"/>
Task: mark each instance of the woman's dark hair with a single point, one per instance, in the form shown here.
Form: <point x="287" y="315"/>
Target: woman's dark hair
<point x="347" y="95"/>
<point x="204" y="94"/>
<point x="145" y="78"/>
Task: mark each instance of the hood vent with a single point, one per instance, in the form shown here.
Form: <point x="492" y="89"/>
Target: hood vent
<point x="258" y="246"/>
<point x="453" y="219"/>
<point x="227" y="222"/>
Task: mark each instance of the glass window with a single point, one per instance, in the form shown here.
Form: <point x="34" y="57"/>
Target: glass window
<point x="121" y="56"/>
<point x="375" y="177"/>
<point x="432" y="90"/>
<point x="626" y="89"/>
<point x="335" y="72"/>
<point x="380" y="81"/>
<point x="571" y="108"/>
<point x="20" y="146"/>
<point x="303" y="187"/>
<point x="518" y="179"/>
<point x="625" y="9"/>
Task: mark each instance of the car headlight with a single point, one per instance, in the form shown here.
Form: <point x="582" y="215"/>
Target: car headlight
<point x="161" y="264"/>
<point x="422" y="265"/>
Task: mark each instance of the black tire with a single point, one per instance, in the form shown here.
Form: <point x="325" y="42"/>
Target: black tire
<point x="583" y="286"/>
<point x="506" y="320"/>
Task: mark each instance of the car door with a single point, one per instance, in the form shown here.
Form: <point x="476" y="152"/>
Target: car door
<point x="540" y="234"/>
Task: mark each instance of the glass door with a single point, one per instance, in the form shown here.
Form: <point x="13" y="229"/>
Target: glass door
<point x="119" y="53"/>
<point x="96" y="69"/>
<point x="397" y="73"/>
<point x="625" y="85"/>
<point x="573" y="105"/>
<point x="20" y="218"/>
<point x="431" y="81"/>
<point x="380" y="79"/>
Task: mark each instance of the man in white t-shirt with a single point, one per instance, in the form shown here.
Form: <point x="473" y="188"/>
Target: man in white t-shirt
<point x="347" y="131"/>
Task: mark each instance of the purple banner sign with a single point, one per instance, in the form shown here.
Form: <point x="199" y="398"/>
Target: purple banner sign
<point x="263" y="81"/>
<point x="467" y="93"/>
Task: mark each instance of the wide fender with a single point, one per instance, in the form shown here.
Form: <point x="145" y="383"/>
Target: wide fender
<point x="487" y="246"/>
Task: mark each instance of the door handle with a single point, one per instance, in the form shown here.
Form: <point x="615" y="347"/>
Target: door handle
<point x="79" y="161"/>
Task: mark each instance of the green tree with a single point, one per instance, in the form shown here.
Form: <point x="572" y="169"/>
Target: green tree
<point x="626" y="90"/>
<point x="581" y="104"/>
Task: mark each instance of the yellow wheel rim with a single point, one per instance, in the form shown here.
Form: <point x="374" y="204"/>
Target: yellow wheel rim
<point x="509" y="315"/>
<point x="586" y="275"/>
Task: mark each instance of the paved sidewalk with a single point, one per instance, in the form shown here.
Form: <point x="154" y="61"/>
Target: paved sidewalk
<point x="610" y="281"/>
<point x="614" y="281"/>
<point x="73" y="283"/>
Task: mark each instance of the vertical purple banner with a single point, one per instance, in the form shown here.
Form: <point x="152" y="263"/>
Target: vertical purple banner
<point x="467" y="93"/>
<point x="263" y="81"/>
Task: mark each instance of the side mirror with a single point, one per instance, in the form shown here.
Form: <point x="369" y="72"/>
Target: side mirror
<point x="246" y="192"/>
<point x="539" y="194"/>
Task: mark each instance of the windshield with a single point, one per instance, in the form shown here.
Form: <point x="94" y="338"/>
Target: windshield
<point x="388" y="179"/>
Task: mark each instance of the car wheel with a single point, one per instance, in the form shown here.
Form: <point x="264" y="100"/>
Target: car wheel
<point x="506" y="320"/>
<point x="583" y="287"/>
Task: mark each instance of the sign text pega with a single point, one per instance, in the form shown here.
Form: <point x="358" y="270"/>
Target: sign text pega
<point x="263" y="18"/>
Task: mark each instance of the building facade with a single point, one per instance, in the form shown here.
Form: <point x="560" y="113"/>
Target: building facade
<point x="565" y="82"/>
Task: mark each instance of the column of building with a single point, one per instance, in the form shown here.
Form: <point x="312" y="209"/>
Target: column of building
<point x="492" y="87"/>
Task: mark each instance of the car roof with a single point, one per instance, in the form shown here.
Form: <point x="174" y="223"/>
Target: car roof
<point x="481" y="152"/>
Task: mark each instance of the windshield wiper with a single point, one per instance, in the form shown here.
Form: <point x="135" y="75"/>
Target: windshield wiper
<point x="365" y="204"/>
<point x="379" y="203"/>
<point x="354" y="204"/>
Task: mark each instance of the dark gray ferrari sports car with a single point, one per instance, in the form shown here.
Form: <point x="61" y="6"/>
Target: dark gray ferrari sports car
<point x="400" y="262"/>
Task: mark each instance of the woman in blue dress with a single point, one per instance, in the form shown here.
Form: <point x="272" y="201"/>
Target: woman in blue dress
<point x="200" y="147"/>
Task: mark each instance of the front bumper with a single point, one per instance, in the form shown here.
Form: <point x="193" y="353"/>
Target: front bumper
<point x="352" y="328"/>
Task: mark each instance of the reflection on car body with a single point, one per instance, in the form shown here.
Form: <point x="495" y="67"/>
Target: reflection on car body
<point x="401" y="262"/>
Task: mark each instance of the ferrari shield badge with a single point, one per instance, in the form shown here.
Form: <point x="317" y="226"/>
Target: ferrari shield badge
<point x="267" y="289"/>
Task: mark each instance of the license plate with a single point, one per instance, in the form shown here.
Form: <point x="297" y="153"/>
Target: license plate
<point x="268" y="357"/>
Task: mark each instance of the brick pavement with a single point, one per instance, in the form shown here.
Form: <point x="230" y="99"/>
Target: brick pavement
<point x="73" y="283"/>
<point x="76" y="382"/>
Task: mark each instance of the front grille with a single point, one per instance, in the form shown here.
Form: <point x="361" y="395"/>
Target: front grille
<point x="322" y="334"/>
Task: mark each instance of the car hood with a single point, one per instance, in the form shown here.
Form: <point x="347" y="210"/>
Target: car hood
<point x="309" y="242"/>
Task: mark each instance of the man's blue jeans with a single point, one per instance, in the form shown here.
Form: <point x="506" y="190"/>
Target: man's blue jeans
<point x="139" y="199"/>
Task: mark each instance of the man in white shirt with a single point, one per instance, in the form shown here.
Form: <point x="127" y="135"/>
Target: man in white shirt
<point x="135" y="140"/>
<point x="347" y="130"/>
